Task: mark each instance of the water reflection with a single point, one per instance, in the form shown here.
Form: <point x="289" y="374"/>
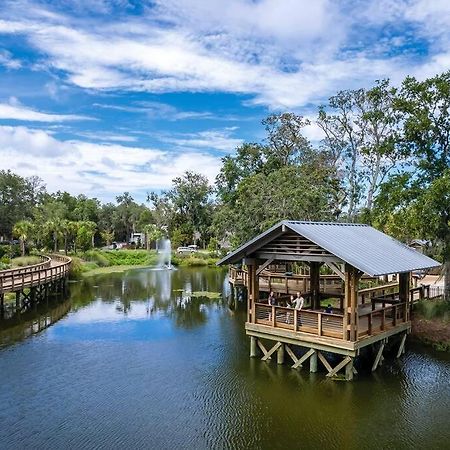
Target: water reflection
<point x="143" y="294"/>
<point x="140" y="362"/>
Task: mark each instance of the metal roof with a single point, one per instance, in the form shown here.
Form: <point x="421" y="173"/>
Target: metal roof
<point x="362" y="246"/>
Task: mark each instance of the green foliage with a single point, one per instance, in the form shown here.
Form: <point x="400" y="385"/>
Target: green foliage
<point x="22" y="261"/>
<point x="97" y="257"/>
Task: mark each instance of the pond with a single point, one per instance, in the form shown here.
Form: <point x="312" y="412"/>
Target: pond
<point x="152" y="359"/>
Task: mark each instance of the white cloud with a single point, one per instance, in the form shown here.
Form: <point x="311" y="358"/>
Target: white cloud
<point x="15" y="111"/>
<point x="100" y="170"/>
<point x="210" y="139"/>
<point x="7" y="60"/>
<point x="284" y="55"/>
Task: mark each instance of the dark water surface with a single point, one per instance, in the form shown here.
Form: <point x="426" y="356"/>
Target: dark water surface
<point x="139" y="363"/>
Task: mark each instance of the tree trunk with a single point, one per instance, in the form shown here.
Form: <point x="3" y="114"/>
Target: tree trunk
<point x="55" y="242"/>
<point x="65" y="244"/>
<point x="22" y="247"/>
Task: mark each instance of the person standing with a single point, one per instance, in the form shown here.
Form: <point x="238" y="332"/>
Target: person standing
<point x="298" y="301"/>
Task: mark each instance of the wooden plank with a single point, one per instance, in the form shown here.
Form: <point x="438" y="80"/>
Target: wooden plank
<point x="271" y="351"/>
<point x="301" y="360"/>
<point x="378" y="357"/>
<point x="291" y="353"/>
<point x="401" y="348"/>
<point x="341" y="365"/>
<point x="324" y="362"/>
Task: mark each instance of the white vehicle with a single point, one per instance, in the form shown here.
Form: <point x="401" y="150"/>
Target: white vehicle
<point x="194" y="248"/>
<point x="185" y="250"/>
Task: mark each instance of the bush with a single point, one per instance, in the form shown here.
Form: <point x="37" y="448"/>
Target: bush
<point x="97" y="257"/>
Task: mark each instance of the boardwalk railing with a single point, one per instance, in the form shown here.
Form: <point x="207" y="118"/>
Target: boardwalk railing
<point x="45" y="272"/>
<point x="381" y="319"/>
<point x="306" y="321"/>
<point x="44" y="262"/>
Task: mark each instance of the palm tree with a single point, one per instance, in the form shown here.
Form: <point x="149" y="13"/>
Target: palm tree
<point x="22" y="230"/>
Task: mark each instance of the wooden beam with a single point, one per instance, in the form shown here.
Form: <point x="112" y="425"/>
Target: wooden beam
<point x="295" y="257"/>
<point x="291" y="353"/>
<point x="335" y="268"/>
<point x="401" y="348"/>
<point x="269" y="353"/>
<point x="340" y="366"/>
<point x="324" y="362"/>
<point x="305" y="357"/>
<point x="263" y="266"/>
<point x="378" y="357"/>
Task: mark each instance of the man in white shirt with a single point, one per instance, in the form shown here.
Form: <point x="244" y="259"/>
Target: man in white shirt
<point x="298" y="301"/>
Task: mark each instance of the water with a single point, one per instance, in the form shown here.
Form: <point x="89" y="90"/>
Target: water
<point x="165" y="254"/>
<point x="139" y="363"/>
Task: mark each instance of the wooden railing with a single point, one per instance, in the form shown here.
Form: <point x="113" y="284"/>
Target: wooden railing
<point x="44" y="261"/>
<point x="43" y="273"/>
<point x="381" y="319"/>
<point x="387" y="290"/>
<point x="306" y="321"/>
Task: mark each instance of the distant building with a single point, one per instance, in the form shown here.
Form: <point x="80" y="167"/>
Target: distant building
<point x="138" y="239"/>
<point x="420" y="245"/>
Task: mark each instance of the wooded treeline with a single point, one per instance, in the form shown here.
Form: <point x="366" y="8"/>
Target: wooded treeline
<point x="384" y="160"/>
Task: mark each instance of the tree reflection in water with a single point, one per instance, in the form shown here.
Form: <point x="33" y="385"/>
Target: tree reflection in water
<point x="148" y="292"/>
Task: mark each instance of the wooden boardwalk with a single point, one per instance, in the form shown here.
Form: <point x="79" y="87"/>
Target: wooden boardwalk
<point x="33" y="284"/>
<point x="49" y="269"/>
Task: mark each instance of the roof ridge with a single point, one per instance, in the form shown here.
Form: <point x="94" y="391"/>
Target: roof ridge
<point x="310" y="222"/>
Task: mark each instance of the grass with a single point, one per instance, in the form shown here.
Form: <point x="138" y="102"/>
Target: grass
<point x="207" y="294"/>
<point x="22" y="261"/>
<point x="95" y="261"/>
<point x="110" y="269"/>
<point x="198" y="259"/>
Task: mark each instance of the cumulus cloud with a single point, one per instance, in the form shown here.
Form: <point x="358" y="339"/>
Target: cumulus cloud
<point x="101" y="170"/>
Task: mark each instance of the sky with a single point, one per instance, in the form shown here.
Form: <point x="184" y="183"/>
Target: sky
<point x="98" y="97"/>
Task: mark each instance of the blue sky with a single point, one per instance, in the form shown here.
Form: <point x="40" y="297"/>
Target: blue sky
<point x="105" y="96"/>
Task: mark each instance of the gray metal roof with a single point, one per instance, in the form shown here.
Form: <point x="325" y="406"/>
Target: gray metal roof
<point x="362" y="246"/>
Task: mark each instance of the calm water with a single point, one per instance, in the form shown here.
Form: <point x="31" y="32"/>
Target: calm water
<point x="138" y="363"/>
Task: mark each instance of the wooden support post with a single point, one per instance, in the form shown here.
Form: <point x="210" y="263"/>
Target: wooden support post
<point x="324" y="361"/>
<point x="280" y="354"/>
<point x="351" y="303"/>
<point x="379" y="356"/>
<point x="314" y="280"/>
<point x="253" y="347"/>
<point x="349" y="370"/>
<point x="340" y="366"/>
<point x="17" y="299"/>
<point x="299" y="361"/>
<point x="268" y="354"/>
<point x="313" y="361"/>
<point x="403" y="293"/>
<point x="401" y="348"/>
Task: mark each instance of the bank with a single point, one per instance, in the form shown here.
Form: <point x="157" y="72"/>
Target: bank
<point x="94" y="262"/>
<point x="430" y="324"/>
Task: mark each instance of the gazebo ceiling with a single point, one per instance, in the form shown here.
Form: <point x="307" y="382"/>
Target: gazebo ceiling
<point x="359" y="245"/>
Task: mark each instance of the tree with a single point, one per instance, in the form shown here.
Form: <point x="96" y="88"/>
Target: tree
<point x="285" y="141"/>
<point x="22" y="230"/>
<point x="152" y="233"/>
<point x="424" y="108"/>
<point x="85" y="235"/>
<point x="18" y="197"/>
<point x="343" y="140"/>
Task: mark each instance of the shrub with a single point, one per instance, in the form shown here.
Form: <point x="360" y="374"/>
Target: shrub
<point x="97" y="257"/>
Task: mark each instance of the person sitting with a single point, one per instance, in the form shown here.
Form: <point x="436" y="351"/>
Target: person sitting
<point x="329" y="309"/>
<point x="272" y="300"/>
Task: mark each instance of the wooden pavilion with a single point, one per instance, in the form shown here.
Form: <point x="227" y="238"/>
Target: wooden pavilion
<point x="350" y="251"/>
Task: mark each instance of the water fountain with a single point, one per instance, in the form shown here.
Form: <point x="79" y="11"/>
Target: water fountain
<point x="164" y="254"/>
